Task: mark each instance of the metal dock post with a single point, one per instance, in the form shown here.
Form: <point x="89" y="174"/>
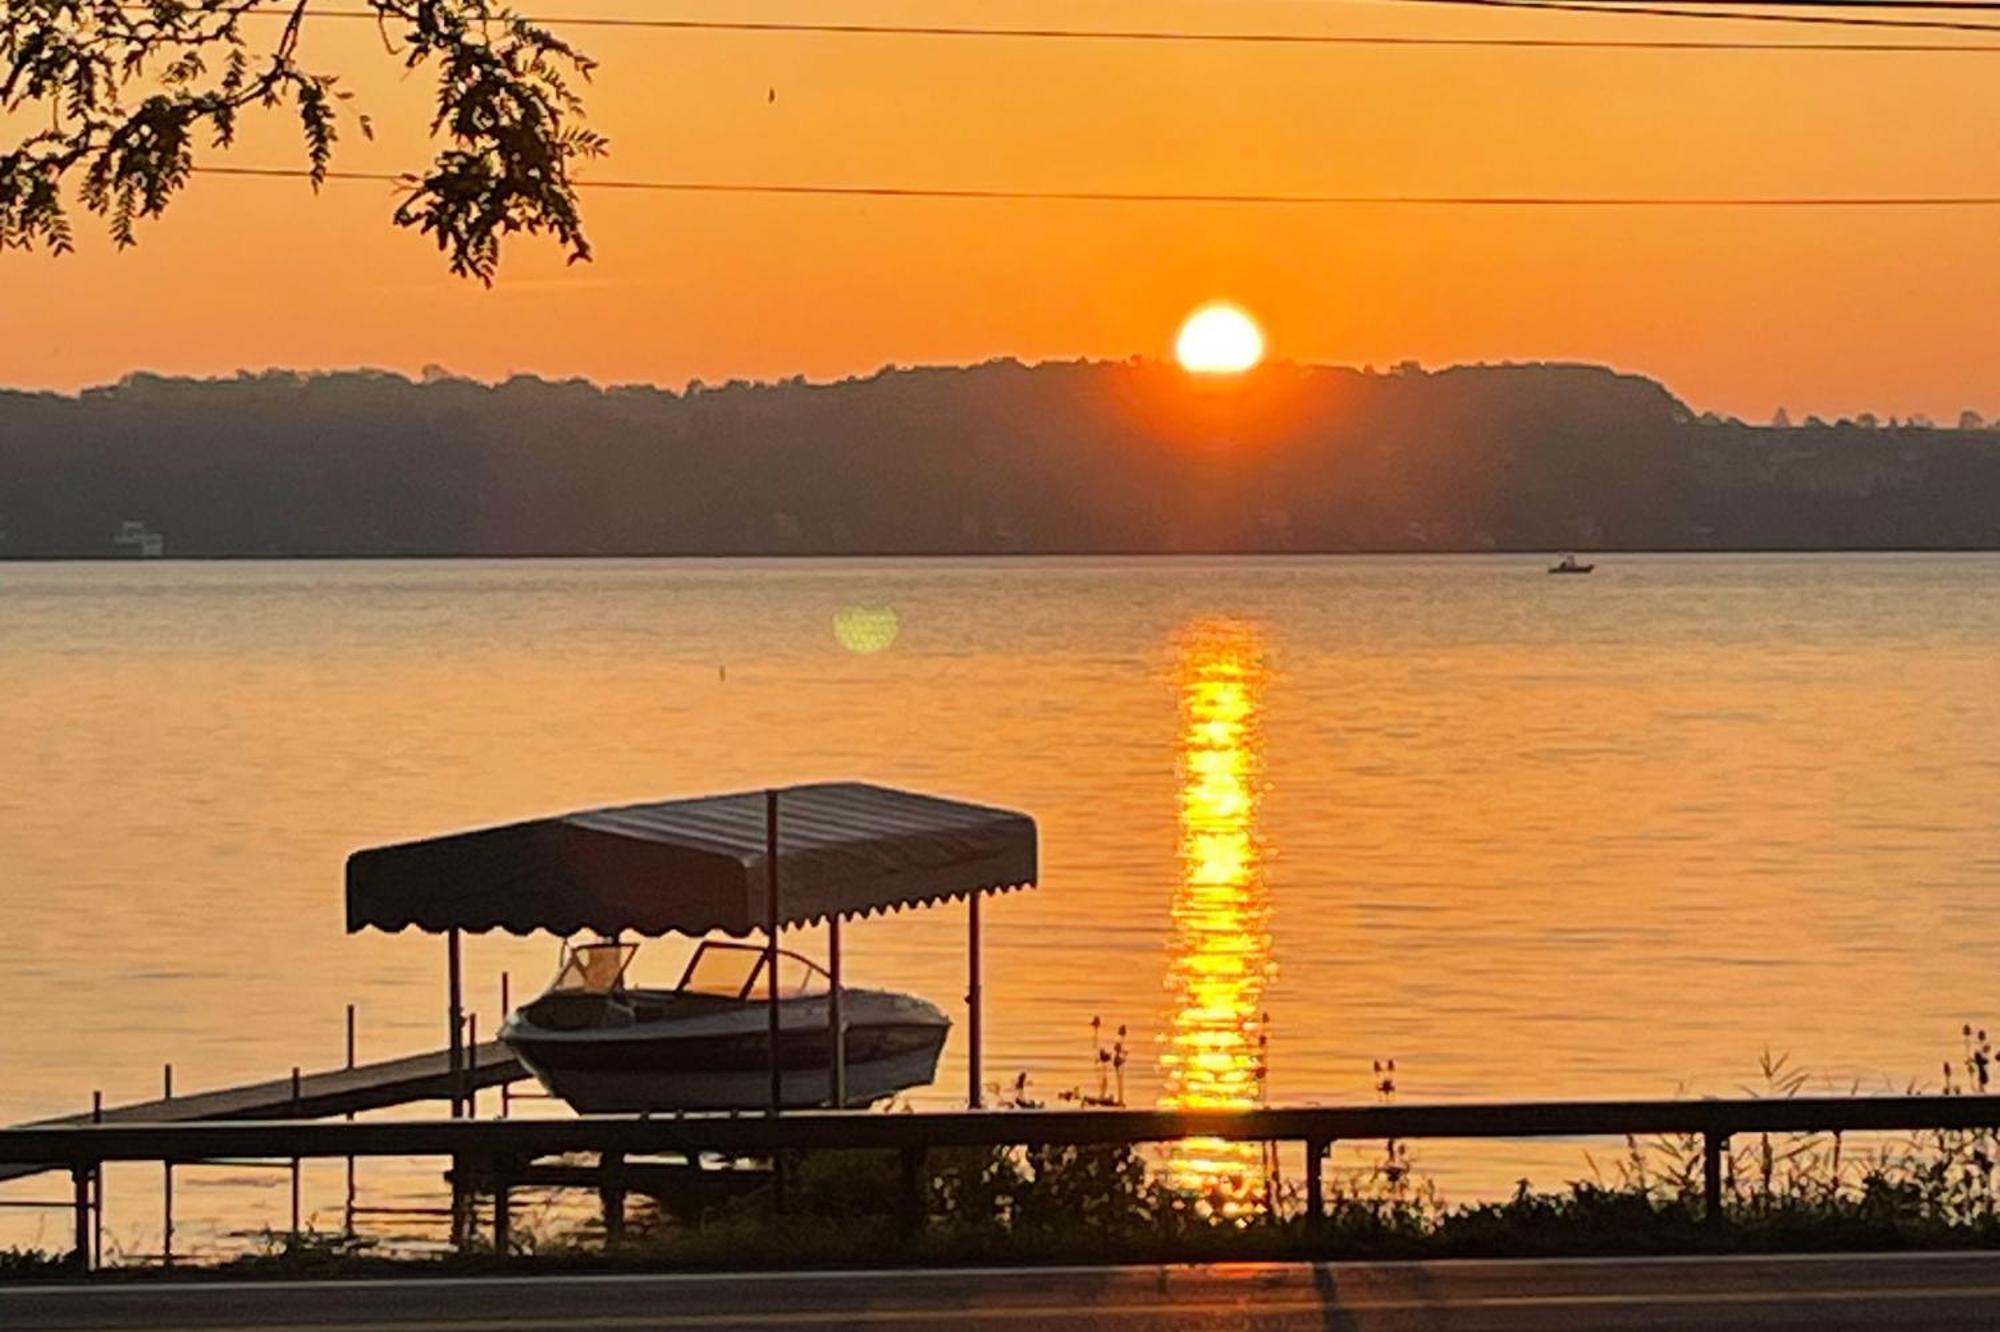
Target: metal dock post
<point x="506" y="1011"/>
<point x="348" y="1213"/>
<point x="455" y="1017"/>
<point x="97" y="1189"/>
<point x="167" y="1181"/>
<point x="974" y="1036"/>
<point x="295" y="1160"/>
<point x="835" y="1015"/>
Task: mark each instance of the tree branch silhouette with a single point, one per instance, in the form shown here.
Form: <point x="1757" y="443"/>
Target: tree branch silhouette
<point x="129" y="92"/>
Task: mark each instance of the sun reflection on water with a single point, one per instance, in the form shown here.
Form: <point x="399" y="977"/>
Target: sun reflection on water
<point x="1214" y="1048"/>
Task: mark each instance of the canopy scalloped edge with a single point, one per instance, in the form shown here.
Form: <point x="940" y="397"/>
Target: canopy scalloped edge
<point x="789" y="922"/>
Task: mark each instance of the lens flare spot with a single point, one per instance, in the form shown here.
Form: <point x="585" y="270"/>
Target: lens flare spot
<point x="866" y="629"/>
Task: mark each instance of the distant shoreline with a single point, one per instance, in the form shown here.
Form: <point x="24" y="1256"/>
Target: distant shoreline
<point x="960" y="556"/>
<point x="992" y="461"/>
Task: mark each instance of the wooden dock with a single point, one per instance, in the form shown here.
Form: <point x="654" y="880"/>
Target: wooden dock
<point x="340" y="1091"/>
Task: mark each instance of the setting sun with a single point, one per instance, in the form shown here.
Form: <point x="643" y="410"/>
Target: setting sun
<point x="1219" y="340"/>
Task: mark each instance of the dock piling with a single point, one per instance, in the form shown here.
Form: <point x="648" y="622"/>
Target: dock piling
<point x="97" y="1189"/>
<point x="461" y="1199"/>
<point x="611" y="1193"/>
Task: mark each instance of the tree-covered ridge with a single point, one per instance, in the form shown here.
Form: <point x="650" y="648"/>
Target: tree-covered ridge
<point x="1000" y="457"/>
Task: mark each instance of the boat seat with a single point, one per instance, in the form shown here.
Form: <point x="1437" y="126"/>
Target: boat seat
<point x="654" y="1006"/>
<point x="574" y="1011"/>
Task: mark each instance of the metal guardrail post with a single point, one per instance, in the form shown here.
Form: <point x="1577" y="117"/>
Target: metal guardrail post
<point x="1316" y="1149"/>
<point x="1713" y="1147"/>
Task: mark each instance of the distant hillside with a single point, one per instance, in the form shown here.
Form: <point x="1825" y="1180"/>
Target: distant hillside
<point x="997" y="457"/>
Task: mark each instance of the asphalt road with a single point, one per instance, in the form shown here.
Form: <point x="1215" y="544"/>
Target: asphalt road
<point x="1896" y="1291"/>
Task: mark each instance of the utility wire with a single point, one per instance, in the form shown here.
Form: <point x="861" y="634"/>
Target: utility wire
<point x="1166" y="35"/>
<point x="1877" y="6"/>
<point x="1732" y="15"/>
<point x="1161" y="197"/>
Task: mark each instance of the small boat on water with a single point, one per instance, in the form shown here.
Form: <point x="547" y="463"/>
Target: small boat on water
<point x="1568" y="565"/>
<point x="608" y="1047"/>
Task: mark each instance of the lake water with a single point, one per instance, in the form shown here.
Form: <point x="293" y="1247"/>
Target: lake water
<point x="1528" y="836"/>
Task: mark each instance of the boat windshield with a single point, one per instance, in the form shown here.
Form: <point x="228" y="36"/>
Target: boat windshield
<point x="736" y="971"/>
<point x="593" y="968"/>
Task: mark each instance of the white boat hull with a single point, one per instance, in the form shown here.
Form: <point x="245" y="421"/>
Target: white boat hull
<point x="721" y="1060"/>
<point x="632" y="1091"/>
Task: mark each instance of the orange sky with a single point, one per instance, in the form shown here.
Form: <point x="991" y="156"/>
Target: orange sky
<point x="1826" y="311"/>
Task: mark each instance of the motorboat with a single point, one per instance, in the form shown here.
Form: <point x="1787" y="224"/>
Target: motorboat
<point x="1568" y="565"/>
<point x="606" y="1046"/>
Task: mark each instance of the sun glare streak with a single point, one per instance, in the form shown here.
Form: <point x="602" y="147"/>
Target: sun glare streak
<point x="1214" y="1050"/>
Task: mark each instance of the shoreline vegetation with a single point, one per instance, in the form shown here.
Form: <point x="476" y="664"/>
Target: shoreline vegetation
<point x="1807" y="1192"/>
<point x="1131" y="458"/>
<point x="1023" y="556"/>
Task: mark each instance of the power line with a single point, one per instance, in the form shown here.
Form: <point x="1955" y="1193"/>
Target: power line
<point x="1878" y="6"/>
<point x="1002" y="194"/>
<point x="1712" y="11"/>
<point x="1166" y="35"/>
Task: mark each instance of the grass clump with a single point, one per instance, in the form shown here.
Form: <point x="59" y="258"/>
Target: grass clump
<point x="23" y="1263"/>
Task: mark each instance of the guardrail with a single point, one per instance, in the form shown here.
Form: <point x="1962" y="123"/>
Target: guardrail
<point x="495" y="1146"/>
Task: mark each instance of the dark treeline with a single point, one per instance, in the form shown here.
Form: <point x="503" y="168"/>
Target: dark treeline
<point x="997" y="457"/>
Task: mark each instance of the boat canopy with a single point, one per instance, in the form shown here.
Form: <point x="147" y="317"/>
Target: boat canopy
<point x="698" y="865"/>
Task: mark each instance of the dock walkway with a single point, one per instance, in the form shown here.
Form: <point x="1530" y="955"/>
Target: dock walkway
<point x="340" y="1091"/>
